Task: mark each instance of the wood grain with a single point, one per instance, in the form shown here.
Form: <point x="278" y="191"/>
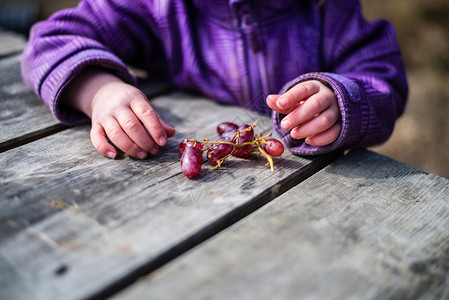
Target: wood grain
<point x="21" y="112"/>
<point x="24" y="117"/>
<point x="365" y="227"/>
<point x="77" y="225"/>
<point x="11" y="43"/>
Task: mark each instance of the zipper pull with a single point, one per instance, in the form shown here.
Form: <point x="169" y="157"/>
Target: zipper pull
<point x="253" y="38"/>
<point x="247" y="23"/>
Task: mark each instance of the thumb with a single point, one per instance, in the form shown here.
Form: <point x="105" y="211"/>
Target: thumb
<point x="272" y="102"/>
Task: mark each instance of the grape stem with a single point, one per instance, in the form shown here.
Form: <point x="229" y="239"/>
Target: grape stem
<point x="206" y="141"/>
<point x="267" y="156"/>
<point x="258" y="140"/>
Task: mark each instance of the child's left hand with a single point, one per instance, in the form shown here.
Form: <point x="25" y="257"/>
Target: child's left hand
<point x="312" y="112"/>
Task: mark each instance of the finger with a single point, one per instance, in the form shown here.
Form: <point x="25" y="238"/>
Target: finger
<point x="170" y="131"/>
<point x="271" y="101"/>
<point x="290" y="100"/>
<point x="150" y="119"/>
<point x="135" y="131"/>
<point x="120" y="139"/>
<point x="326" y="137"/>
<point x="320" y="123"/>
<point x="313" y="106"/>
<point x="100" y="142"/>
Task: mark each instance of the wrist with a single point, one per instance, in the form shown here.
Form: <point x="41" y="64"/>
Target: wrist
<point x="80" y="92"/>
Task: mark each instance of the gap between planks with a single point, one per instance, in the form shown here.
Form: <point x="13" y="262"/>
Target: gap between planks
<point x="31" y="137"/>
<point x="149" y="90"/>
<point x="217" y="226"/>
<point x="17" y="52"/>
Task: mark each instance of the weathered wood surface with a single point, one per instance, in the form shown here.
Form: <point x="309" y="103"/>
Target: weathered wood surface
<point x="365" y="227"/>
<point x="24" y="117"/>
<point x="11" y="43"/>
<point x="22" y="114"/>
<point x="77" y="225"/>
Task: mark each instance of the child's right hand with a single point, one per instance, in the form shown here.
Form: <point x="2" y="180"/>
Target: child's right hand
<point x="118" y="111"/>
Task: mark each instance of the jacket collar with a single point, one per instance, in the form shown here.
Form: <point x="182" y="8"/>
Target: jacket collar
<point x="230" y="12"/>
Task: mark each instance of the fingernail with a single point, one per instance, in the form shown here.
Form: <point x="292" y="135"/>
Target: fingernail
<point x="269" y="98"/>
<point x="163" y="141"/>
<point x="153" y="151"/>
<point x="285" y="124"/>
<point x="282" y="102"/>
<point x="141" y="154"/>
<point x="110" y="154"/>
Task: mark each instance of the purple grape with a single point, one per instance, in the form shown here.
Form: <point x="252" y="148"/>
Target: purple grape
<point x="275" y="147"/>
<point x="191" y="161"/>
<point x="219" y="151"/>
<point x="245" y="137"/>
<point x="185" y="144"/>
<point x="229" y="134"/>
<point x="243" y="152"/>
<point x="226" y="126"/>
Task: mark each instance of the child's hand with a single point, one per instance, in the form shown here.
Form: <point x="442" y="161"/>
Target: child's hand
<point x="312" y="112"/>
<point x="120" y="112"/>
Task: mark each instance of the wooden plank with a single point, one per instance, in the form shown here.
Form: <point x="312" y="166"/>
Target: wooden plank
<point x="21" y="112"/>
<point x="77" y="225"/>
<point x="365" y="227"/>
<point x="11" y="43"/>
<point x="24" y="117"/>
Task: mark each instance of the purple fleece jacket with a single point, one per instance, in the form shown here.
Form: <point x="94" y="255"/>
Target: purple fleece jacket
<point x="234" y="51"/>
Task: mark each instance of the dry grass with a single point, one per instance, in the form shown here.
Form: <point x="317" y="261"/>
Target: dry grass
<point x="421" y="136"/>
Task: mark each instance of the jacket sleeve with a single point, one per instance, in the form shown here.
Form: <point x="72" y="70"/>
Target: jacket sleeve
<point x="102" y="33"/>
<point x="362" y="63"/>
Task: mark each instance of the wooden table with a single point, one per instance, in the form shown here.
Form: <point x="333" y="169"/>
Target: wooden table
<point x="76" y="225"/>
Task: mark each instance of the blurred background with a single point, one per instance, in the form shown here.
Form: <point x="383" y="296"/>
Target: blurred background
<point x="421" y="135"/>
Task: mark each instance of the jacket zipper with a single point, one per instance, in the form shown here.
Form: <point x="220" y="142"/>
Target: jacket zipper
<point x="255" y="62"/>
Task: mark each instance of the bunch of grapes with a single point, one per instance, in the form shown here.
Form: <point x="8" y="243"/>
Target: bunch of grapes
<point x="237" y="141"/>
